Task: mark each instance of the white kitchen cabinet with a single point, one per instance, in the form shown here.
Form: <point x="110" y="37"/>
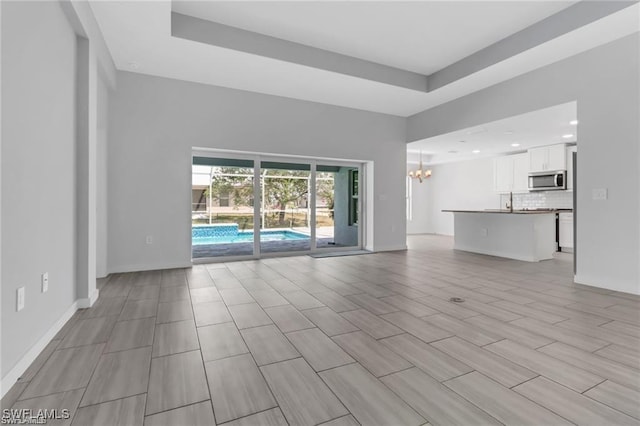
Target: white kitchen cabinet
<point x="565" y="231"/>
<point x="510" y="173"/>
<point x="570" y="151"/>
<point x="547" y="158"/>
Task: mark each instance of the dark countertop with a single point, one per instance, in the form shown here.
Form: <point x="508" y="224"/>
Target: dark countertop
<point x="504" y="211"/>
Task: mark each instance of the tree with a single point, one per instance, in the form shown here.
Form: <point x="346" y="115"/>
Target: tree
<point x="325" y="189"/>
<point x="282" y="188"/>
<point x="234" y="182"/>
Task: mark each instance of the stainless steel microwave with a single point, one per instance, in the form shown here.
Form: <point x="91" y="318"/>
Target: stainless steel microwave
<point x="548" y="181"/>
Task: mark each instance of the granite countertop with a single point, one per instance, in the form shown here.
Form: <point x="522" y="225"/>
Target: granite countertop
<point x="505" y="211"/>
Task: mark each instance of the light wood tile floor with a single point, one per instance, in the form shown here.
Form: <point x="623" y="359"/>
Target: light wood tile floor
<point x="346" y="340"/>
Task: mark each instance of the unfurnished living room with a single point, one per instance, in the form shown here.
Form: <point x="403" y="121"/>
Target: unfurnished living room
<point x="320" y="212"/>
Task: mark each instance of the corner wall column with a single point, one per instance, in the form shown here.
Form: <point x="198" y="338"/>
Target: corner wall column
<point x="86" y="175"/>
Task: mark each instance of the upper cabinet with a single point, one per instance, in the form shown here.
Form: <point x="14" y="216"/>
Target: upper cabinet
<point x="510" y="173"/>
<point x="548" y="158"/>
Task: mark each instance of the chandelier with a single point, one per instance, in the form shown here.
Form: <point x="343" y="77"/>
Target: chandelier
<point x="420" y="174"/>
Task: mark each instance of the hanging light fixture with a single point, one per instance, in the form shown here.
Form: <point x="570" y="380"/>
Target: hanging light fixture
<point x="420" y="174"/>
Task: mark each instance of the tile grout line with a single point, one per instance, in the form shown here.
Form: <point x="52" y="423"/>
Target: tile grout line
<point x="204" y="366"/>
<point x="257" y="367"/>
<point x="155" y="324"/>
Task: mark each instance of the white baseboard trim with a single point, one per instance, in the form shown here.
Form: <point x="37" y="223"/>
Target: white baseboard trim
<point x="498" y="253"/>
<point x="88" y="302"/>
<point x="18" y="370"/>
<point x="149" y="267"/>
<point x="390" y="248"/>
<point x="607" y="284"/>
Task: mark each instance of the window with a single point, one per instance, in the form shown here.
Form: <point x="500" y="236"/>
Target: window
<point x="353" y="197"/>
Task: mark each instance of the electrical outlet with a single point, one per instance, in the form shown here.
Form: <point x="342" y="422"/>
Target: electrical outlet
<point x="20" y="299"/>
<point x="44" y="279"/>
<point x="149" y="239"/>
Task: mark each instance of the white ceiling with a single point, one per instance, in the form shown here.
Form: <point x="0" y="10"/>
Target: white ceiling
<point x="538" y="128"/>
<point x="421" y="36"/>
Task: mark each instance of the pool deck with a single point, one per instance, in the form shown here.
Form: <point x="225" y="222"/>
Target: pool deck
<point x="324" y="237"/>
<point x="246" y="249"/>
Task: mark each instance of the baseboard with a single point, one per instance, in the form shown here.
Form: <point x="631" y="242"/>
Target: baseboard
<point x="149" y="267"/>
<point x="499" y="254"/>
<point x="18" y="370"/>
<point x="607" y="284"/>
<point x="396" y="247"/>
<point x="88" y="302"/>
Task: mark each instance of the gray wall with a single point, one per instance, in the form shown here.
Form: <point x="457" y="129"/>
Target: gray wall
<point x="38" y="171"/>
<point x="154" y="123"/>
<point x="604" y="82"/>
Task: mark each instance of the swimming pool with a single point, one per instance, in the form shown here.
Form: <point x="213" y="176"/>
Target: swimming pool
<point x="229" y="233"/>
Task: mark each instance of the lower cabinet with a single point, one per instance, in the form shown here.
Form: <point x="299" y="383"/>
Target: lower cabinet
<point x="565" y="231"/>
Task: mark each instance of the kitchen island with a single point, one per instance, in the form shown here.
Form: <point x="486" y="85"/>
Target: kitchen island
<point x="528" y="235"/>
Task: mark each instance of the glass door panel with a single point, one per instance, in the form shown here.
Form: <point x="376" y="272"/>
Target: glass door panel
<point x="285" y="214"/>
<point x="222" y="207"/>
<point x="337" y="206"/>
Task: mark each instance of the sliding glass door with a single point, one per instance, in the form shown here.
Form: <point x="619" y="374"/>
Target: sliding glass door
<point x="222" y="208"/>
<point x="285" y="214"/>
<point x="302" y="206"/>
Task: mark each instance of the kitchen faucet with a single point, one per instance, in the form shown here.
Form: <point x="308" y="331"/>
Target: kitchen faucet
<point x="510" y="202"/>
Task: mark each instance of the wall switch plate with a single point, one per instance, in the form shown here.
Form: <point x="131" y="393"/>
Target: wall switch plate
<point x="44" y="280"/>
<point x="599" y="194"/>
<point x="149" y="239"/>
<point x="20" y="299"/>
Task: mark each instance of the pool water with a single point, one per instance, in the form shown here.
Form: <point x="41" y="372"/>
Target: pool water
<point x="200" y="238"/>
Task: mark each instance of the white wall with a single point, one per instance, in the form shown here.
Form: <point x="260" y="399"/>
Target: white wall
<point x="464" y="185"/>
<point x="38" y="171"/>
<point x="154" y="123"/>
<point x="604" y="82"/>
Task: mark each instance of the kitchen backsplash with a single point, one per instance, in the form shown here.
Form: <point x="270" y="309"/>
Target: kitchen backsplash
<point x="540" y="200"/>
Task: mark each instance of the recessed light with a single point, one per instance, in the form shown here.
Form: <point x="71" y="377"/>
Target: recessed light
<point x="476" y="151"/>
<point x="515" y="144"/>
<point x="134" y="65"/>
<point x="568" y="136"/>
<point x="452" y="152"/>
<point x="509" y="132"/>
<point x="573" y="122"/>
